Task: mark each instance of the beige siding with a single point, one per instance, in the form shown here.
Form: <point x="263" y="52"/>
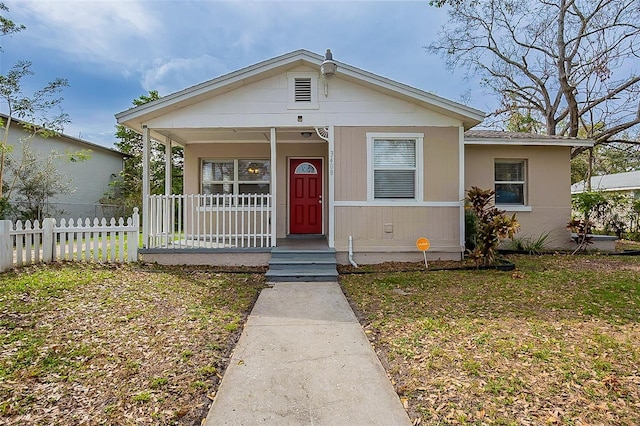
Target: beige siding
<point x="350" y="163"/>
<point x="389" y="229"/>
<point x="441" y="160"/>
<point x="441" y="164"/>
<point x="548" y="185"/>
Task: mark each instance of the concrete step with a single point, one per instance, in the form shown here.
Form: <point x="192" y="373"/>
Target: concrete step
<point x="292" y="265"/>
<point x="281" y="250"/>
<point x="299" y="261"/>
<point x="301" y="274"/>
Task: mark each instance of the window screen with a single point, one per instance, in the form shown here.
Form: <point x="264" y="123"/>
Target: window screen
<point x="510" y="181"/>
<point x="394" y="168"/>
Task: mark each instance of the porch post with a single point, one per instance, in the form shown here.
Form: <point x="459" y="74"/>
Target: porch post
<point x="274" y="204"/>
<point x="145" y="186"/>
<point x="167" y="167"/>
<point x="167" y="205"/>
<point x="332" y="225"/>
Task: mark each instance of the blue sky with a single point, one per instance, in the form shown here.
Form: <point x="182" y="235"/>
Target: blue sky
<point x="114" y="51"/>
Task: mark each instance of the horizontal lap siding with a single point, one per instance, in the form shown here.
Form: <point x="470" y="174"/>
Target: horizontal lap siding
<point x="548" y="186"/>
<point x="441" y="161"/>
<point x="367" y="226"/>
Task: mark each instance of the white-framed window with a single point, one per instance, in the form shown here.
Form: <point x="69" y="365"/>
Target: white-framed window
<point x="303" y="90"/>
<point x="510" y="182"/>
<point x="236" y="176"/>
<point x="395" y="166"/>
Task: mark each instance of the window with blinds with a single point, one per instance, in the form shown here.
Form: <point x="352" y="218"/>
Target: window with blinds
<point x="394" y="168"/>
<point x="510" y="181"/>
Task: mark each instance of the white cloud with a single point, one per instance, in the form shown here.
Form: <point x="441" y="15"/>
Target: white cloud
<point x="97" y="32"/>
<point x="173" y="74"/>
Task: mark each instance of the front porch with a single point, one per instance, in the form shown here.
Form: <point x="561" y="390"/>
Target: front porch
<point x="219" y="210"/>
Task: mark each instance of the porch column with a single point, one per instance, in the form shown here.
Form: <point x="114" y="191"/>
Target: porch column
<point x="145" y="185"/>
<point x="332" y="185"/>
<point x="167" y="167"/>
<point x="274" y="204"/>
<point x="167" y="205"/>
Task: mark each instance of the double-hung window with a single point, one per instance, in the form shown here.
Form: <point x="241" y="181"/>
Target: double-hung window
<point x="395" y="166"/>
<point x="510" y="182"/>
<point x="236" y="176"/>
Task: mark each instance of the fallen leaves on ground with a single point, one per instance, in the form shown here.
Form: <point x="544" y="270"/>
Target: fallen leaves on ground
<point x="555" y="342"/>
<point x="100" y="344"/>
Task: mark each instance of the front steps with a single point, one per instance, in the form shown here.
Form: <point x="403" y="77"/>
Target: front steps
<point x="290" y="264"/>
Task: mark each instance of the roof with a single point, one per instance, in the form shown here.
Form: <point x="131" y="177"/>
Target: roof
<point x="497" y="137"/>
<point x="469" y="116"/>
<point x="90" y="145"/>
<point x="628" y="181"/>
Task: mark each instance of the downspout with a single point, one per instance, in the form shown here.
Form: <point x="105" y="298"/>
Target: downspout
<point x="351" y="261"/>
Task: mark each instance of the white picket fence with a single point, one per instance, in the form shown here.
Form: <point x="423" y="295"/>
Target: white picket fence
<point x="97" y="240"/>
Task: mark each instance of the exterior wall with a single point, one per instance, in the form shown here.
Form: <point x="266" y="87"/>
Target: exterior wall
<point x="390" y="226"/>
<point x="548" y="183"/>
<point x="194" y="153"/>
<point x="388" y="229"/>
<point x="89" y="179"/>
<point x="353" y="110"/>
<point x="265" y="104"/>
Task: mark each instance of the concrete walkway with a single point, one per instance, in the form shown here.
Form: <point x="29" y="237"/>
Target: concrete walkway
<point x="303" y="359"/>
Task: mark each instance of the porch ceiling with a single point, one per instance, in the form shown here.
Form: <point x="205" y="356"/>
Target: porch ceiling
<point x="237" y="135"/>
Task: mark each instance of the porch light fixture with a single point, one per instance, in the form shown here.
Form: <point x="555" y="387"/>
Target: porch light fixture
<point x="328" y="69"/>
<point x="306" y="135"/>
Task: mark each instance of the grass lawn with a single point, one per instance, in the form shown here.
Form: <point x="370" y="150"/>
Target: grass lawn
<point x="555" y="342"/>
<point x="136" y="344"/>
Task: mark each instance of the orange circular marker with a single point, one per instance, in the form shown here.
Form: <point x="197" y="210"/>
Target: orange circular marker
<point x="423" y="244"/>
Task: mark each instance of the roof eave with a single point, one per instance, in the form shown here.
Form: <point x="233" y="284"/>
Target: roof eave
<point x="470" y="117"/>
<point x="530" y="142"/>
<point x="216" y="83"/>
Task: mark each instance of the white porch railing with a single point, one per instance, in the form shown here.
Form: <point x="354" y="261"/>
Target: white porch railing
<point x="209" y="221"/>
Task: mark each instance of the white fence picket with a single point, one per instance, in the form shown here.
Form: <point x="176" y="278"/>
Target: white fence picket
<point x="25" y="243"/>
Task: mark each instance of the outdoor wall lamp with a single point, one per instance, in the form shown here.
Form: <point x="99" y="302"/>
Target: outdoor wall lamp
<point x="328" y="69"/>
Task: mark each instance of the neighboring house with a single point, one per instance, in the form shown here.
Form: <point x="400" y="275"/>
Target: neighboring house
<point x="338" y="153"/>
<point x="89" y="179"/>
<point x="628" y="182"/>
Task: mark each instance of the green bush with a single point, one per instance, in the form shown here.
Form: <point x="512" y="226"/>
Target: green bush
<point x="493" y="225"/>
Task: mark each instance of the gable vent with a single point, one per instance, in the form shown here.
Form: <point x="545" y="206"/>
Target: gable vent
<point x="303" y="89"/>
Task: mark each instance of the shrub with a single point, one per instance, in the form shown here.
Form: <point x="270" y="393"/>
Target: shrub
<point x="529" y="244"/>
<point x="493" y="225"/>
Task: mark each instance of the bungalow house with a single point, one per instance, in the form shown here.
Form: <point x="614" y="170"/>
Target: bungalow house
<point x="302" y="145"/>
<point x="88" y="179"/>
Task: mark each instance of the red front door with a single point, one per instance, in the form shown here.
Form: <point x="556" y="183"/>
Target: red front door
<point x="305" y="196"/>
